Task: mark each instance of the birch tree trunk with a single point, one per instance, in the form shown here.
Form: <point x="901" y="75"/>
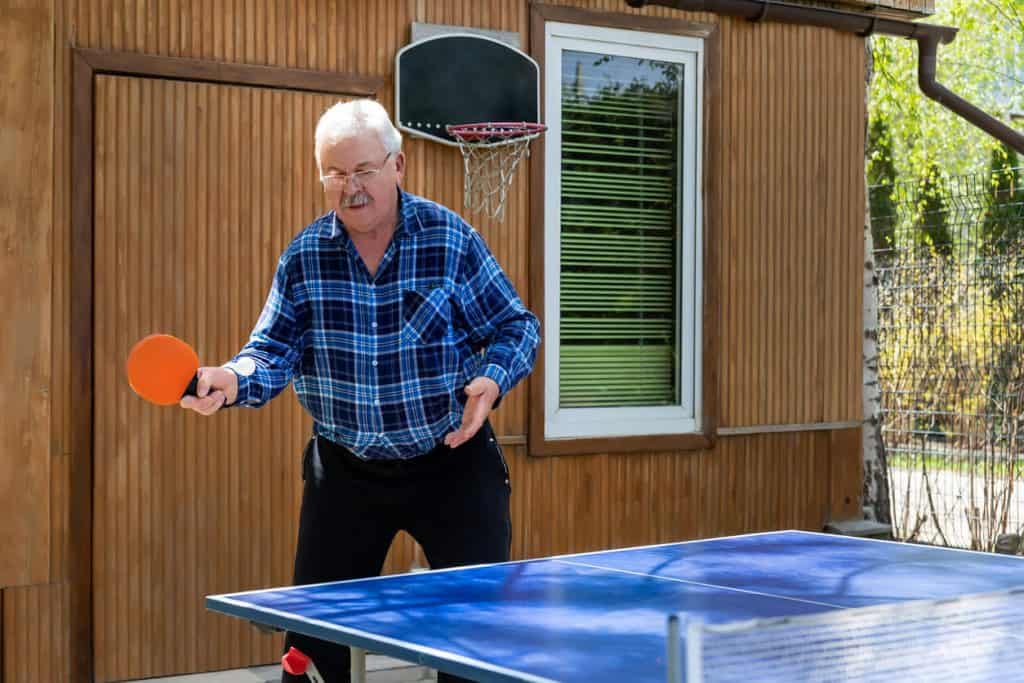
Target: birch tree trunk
<point x="875" y="496"/>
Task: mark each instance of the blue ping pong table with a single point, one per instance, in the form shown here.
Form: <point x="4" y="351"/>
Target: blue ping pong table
<point x="602" y="616"/>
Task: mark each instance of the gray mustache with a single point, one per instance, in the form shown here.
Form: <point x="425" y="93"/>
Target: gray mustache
<point x="357" y="198"/>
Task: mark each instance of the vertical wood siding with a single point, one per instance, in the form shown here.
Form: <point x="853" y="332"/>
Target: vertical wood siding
<point x="26" y="217"/>
<point x="199" y="187"/>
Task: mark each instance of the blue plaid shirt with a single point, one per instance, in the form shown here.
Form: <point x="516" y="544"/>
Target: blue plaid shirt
<point x="380" y="362"/>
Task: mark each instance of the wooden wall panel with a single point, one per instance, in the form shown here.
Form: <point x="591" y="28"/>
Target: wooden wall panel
<point x="846" y="474"/>
<point x="322" y="35"/>
<point x="790" y="257"/>
<point x="61" y="428"/>
<point x="790" y="325"/>
<point x="35" y="634"/>
<point x="26" y="231"/>
<point x="791" y="245"/>
<point x="747" y="483"/>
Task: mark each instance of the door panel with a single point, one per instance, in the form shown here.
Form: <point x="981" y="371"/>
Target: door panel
<point x="199" y="188"/>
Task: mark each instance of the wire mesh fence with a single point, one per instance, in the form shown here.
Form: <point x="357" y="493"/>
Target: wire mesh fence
<point x="949" y="255"/>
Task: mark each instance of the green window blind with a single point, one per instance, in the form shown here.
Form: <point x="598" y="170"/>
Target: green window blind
<point x="618" y="332"/>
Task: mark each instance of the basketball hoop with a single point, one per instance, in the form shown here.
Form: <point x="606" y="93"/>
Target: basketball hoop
<point x="491" y="152"/>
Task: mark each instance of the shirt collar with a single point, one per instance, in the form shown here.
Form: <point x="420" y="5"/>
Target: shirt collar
<point x="408" y="219"/>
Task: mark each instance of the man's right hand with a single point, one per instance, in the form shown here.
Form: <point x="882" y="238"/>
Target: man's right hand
<point x="216" y="388"/>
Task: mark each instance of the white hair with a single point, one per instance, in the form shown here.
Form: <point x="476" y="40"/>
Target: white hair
<point x="348" y="118"/>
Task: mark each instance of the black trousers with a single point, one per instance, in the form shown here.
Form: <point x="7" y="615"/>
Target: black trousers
<point x="454" y="502"/>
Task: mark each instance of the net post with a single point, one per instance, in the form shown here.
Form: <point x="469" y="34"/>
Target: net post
<point x="694" y="651"/>
<point x="672" y="654"/>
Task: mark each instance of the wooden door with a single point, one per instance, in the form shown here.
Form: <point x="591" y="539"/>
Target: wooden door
<point x="199" y="188"/>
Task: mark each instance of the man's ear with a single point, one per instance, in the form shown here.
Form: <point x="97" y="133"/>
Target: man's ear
<point x="400" y="165"/>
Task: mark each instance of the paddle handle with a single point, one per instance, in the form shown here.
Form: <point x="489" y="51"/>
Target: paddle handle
<point x="191" y="389"/>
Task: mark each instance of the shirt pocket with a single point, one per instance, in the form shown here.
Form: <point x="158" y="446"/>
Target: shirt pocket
<point x="426" y="315"/>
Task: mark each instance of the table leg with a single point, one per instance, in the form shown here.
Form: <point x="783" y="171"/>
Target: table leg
<point x="358" y="665"/>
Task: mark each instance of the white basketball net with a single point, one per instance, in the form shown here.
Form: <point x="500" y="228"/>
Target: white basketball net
<point x="490" y="158"/>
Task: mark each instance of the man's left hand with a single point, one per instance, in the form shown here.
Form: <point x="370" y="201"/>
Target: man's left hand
<point x="482" y="393"/>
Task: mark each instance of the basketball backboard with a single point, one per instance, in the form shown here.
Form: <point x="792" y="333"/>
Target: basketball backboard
<point x="463" y="78"/>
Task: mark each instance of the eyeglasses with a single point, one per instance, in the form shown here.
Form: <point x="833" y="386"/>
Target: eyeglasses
<point x="338" y="181"/>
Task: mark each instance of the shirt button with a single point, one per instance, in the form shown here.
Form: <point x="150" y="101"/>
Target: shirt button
<point x="374" y="363"/>
<point x="373" y="325"/>
<point x="376" y="401"/>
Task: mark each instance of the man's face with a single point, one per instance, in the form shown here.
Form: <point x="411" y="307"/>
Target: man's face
<point x="361" y="181"/>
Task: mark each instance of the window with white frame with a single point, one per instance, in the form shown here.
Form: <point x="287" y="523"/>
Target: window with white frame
<point x="622" y="238"/>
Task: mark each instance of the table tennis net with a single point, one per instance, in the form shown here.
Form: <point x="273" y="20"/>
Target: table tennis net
<point x="972" y="638"/>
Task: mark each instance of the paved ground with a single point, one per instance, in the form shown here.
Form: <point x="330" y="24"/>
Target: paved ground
<point x="379" y="670"/>
<point x="263" y="674"/>
<point x="954" y="507"/>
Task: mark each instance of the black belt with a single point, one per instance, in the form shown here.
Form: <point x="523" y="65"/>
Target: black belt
<point x="437" y="457"/>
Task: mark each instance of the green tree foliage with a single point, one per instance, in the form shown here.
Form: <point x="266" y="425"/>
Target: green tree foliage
<point x="951" y="315"/>
<point x="932" y="226"/>
<point x="1002" y="248"/>
<point x="881" y="178"/>
<point x="1003" y="226"/>
<point x="984" y="65"/>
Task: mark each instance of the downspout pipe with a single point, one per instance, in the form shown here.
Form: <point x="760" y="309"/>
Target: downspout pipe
<point x="927" y="46"/>
<point x="928" y="37"/>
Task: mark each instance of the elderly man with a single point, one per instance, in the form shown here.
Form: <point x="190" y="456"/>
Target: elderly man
<point x="401" y="332"/>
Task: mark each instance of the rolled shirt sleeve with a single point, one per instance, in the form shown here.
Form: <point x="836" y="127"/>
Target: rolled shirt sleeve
<point x="266" y="364"/>
<point x="497" y="318"/>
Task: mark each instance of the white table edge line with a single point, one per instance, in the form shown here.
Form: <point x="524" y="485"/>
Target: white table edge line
<point x="404" y="644"/>
<point x="700" y="583"/>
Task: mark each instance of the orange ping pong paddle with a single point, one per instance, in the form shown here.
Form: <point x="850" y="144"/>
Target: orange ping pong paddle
<point x="162" y="369"/>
